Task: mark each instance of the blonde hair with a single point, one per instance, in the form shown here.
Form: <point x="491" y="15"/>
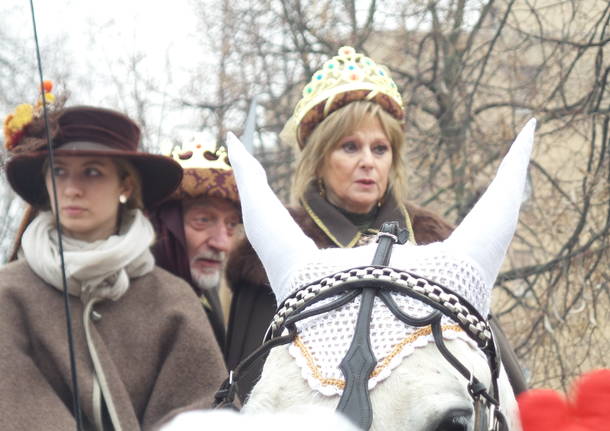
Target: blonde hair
<point x="335" y="127"/>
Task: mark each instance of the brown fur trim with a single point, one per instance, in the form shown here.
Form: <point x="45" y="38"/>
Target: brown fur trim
<point x="427" y="226"/>
<point x="243" y="263"/>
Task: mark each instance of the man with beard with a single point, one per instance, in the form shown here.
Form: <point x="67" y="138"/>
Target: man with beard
<point x="198" y="224"/>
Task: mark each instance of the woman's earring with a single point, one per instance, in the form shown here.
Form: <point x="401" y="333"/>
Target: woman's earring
<point x="321" y="187"/>
<point x="122" y="198"/>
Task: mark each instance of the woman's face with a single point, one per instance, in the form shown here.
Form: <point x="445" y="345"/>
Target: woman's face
<point x="88" y="190"/>
<point x="356" y="170"/>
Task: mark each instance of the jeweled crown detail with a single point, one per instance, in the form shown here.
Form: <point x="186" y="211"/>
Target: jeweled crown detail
<point x="349" y="69"/>
<point x="197" y="152"/>
<point x="348" y="72"/>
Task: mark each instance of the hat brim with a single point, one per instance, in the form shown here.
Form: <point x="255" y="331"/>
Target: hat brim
<point x="160" y="175"/>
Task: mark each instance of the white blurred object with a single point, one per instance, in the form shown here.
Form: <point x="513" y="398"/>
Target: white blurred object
<point x="296" y="419"/>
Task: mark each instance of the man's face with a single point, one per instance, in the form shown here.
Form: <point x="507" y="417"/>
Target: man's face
<point x="210" y="225"/>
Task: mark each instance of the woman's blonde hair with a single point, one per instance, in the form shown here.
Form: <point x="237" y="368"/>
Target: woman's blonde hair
<point x="336" y="126"/>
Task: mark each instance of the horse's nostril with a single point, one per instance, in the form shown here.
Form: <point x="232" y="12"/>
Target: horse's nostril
<point x="455" y="420"/>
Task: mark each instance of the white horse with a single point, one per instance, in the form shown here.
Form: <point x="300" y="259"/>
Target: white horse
<point x="413" y="385"/>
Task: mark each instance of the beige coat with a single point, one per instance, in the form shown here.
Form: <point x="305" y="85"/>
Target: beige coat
<point x="155" y="345"/>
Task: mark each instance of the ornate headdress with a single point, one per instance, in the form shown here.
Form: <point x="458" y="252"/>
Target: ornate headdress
<point x="16" y="123"/>
<point x="345" y="78"/>
<point x="206" y="170"/>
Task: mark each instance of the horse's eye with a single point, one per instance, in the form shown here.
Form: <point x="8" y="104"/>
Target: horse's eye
<point x="454" y="420"/>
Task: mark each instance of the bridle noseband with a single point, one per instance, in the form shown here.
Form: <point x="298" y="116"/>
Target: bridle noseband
<point x="378" y="280"/>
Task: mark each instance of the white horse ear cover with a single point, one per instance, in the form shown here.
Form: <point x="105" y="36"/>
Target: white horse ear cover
<point x="279" y="242"/>
<point x="483" y="236"/>
<point x="486" y="232"/>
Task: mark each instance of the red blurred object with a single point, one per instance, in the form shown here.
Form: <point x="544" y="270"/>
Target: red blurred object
<point x="587" y="408"/>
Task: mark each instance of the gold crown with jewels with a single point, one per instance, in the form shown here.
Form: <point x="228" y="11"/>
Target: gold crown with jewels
<point x="345" y="78"/>
<point x="207" y="171"/>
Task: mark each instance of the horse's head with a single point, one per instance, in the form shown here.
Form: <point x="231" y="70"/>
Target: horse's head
<point x="462" y="268"/>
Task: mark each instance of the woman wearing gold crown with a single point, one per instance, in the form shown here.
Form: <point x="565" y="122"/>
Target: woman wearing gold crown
<point x="349" y="179"/>
<point x="143" y="348"/>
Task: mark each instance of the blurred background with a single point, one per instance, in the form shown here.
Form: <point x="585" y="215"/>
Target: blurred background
<point x="471" y="73"/>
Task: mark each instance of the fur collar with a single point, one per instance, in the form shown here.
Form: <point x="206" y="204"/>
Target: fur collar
<point x="243" y="266"/>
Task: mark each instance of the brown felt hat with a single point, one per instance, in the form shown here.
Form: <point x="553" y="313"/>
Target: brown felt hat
<point x="87" y="131"/>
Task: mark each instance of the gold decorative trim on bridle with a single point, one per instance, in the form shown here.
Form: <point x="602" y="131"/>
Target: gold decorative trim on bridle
<point x="339" y="383"/>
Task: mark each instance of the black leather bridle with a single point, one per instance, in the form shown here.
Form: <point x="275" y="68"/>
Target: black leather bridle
<point x="379" y="280"/>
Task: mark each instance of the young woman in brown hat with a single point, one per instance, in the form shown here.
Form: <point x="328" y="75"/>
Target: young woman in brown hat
<point x="350" y="178"/>
<point x="143" y="347"/>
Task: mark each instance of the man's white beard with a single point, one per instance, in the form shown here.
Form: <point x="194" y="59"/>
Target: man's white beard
<point x="206" y="281"/>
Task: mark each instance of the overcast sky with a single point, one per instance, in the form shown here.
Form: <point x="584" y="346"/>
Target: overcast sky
<point x="122" y="26"/>
<point x="98" y="37"/>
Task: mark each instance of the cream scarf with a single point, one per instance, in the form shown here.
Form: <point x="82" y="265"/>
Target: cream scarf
<point x="95" y="271"/>
<point x="99" y="269"/>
